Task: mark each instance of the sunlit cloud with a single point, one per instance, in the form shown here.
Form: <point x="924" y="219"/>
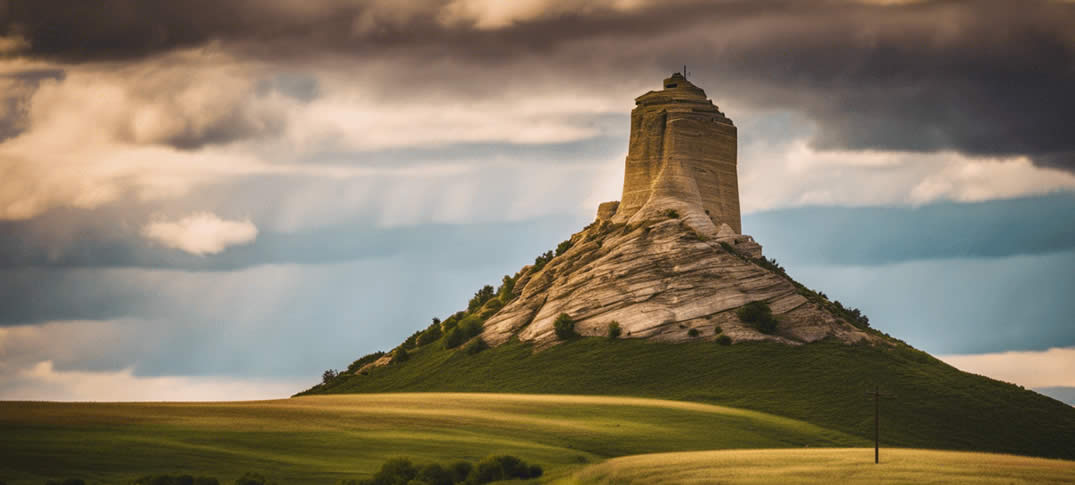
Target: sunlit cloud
<point x="42" y="382"/>
<point x="1048" y="368"/>
<point x="201" y="233"/>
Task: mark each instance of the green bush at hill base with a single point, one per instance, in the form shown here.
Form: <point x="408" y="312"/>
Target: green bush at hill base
<point x="824" y="383"/>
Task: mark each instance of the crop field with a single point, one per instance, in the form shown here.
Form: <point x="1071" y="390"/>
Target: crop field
<point x="826" y="467"/>
<point x="320" y="439"/>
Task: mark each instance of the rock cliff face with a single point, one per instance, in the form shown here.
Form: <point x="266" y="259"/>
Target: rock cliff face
<point x="668" y="262"/>
<point x="682" y="155"/>
<point x="660" y="279"/>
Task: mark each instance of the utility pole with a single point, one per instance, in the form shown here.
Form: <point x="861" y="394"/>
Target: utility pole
<point x="876" y="394"/>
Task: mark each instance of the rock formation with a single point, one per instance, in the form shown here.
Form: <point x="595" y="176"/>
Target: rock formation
<point x="668" y="262"/>
<point x="682" y="156"/>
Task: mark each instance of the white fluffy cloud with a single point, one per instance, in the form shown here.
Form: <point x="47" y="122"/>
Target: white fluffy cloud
<point x="201" y="233"/>
<point x="1049" y="368"/>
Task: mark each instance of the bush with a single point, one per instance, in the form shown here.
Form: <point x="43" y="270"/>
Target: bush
<point x="480" y="297"/>
<point x="504" y="467"/>
<point x="412" y="341"/>
<point x="692" y="332"/>
<point x="852" y="315"/>
<point x="430" y="335"/>
<point x="671" y="214"/>
<point x="468" y="328"/>
<point x="490" y="308"/>
<point x="614" y="330"/>
<point x="400" y="355"/>
<point x="477" y="345"/>
<point x="434" y="474"/>
<point x="724" y="340"/>
<point x="507" y="289"/>
<point x="366" y="359"/>
<point x="460" y="471"/>
<point x="717" y="330"/>
<point x="396" y="471"/>
<point x="541" y="261"/>
<point x="471" y="326"/>
<point x="326" y="377"/>
<point x="759" y="315"/>
<point x="454" y="338"/>
<point x="564" y="327"/>
<point x="563" y="247"/>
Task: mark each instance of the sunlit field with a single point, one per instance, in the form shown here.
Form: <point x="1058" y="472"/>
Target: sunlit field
<point x="826" y="467"/>
<point x="320" y="439"/>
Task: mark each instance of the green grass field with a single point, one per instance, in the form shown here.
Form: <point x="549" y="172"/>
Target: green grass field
<point x="936" y="405"/>
<point x="319" y="439"/>
<point x="826" y="467"/>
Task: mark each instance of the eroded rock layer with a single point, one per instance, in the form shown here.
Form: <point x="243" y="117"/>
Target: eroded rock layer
<point x="662" y="280"/>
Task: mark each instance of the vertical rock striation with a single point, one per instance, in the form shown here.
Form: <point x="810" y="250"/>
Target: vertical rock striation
<point x="682" y="156"/>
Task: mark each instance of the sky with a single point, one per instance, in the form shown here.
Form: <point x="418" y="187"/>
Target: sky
<point x="209" y="200"/>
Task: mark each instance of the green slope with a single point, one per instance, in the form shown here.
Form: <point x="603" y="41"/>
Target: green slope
<point x="320" y="439"/>
<point x="936" y="405"/>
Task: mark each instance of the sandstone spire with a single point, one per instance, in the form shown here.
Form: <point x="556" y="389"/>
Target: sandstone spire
<point x="682" y="156"/>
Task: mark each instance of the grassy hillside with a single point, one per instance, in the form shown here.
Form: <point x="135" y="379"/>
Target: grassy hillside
<point x="320" y="439"/>
<point x="824" y="467"/>
<point x="936" y="405"/>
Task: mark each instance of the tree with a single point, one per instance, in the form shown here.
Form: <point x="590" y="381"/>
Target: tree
<point x="329" y="376"/>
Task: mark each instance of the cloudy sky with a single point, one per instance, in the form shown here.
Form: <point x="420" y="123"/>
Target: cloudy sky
<point x="219" y="200"/>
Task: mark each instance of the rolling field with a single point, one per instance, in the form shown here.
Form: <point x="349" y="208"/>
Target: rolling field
<point x="826" y="467"/>
<point x="936" y="405"/>
<point x="319" y="439"/>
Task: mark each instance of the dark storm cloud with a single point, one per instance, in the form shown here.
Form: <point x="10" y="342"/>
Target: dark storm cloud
<point x="986" y="78"/>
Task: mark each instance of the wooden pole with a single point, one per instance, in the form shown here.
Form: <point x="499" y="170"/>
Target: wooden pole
<point x="876" y="426"/>
<point x="877" y="395"/>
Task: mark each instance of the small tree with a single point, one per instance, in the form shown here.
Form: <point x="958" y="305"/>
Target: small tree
<point x="329" y="376"/>
<point x="614" y="330"/>
<point x="564" y="327"/>
<point x="724" y="340"/>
